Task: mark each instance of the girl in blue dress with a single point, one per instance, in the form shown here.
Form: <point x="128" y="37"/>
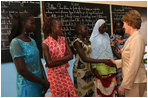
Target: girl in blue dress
<point x="31" y="78"/>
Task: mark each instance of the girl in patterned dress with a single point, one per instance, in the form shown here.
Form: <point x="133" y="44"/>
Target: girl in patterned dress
<point x="57" y="53"/>
<point x="83" y="77"/>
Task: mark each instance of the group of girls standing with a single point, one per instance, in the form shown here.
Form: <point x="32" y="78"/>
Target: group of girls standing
<point x="94" y="74"/>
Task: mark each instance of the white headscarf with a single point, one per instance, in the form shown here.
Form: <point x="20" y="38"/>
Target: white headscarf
<point x="95" y="31"/>
<point x="100" y="43"/>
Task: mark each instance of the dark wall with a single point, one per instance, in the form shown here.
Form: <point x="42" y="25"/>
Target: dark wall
<point x="71" y="13"/>
<point x="119" y="11"/>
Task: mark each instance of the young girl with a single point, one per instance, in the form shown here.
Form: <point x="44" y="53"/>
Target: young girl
<point x="31" y="78"/>
<point x="83" y="77"/>
<point x="57" y="53"/>
<point x="101" y="49"/>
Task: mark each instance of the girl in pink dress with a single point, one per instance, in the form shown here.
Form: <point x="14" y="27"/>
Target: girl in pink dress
<point x="57" y="53"/>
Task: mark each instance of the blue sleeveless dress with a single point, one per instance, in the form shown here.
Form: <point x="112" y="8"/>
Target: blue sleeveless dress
<point x="30" y="52"/>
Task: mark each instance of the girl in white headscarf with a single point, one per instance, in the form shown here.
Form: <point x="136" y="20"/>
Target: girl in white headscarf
<point x="101" y="49"/>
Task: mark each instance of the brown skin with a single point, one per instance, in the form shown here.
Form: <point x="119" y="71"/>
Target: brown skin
<point x="82" y="33"/>
<point x="57" y="30"/>
<point x="29" y="26"/>
<point x="102" y="28"/>
<point x="119" y="29"/>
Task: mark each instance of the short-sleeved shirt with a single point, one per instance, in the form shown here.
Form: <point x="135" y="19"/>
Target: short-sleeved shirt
<point x="30" y="53"/>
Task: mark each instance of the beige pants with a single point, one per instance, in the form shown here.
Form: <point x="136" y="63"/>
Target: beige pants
<point x="137" y="90"/>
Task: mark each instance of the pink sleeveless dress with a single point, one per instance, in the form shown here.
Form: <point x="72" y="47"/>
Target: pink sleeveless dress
<point x="60" y="81"/>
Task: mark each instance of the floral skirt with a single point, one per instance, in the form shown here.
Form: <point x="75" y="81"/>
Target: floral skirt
<point x="84" y="83"/>
<point x="106" y="86"/>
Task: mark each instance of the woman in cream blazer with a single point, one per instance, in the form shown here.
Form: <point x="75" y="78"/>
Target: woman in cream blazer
<point x="133" y="70"/>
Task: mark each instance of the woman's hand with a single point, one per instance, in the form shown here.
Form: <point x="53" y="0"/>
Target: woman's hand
<point x="121" y="90"/>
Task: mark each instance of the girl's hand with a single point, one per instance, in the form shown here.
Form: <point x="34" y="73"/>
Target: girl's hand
<point x="46" y="86"/>
<point x="110" y="63"/>
<point x="112" y="60"/>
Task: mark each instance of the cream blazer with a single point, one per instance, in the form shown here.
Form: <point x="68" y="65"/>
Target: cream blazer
<point x="133" y="69"/>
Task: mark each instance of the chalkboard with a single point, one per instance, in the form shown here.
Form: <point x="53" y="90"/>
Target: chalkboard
<point x="119" y="11"/>
<point x="8" y="8"/>
<point x="71" y="13"/>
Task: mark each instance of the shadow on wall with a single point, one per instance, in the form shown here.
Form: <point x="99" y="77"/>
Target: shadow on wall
<point x="8" y="78"/>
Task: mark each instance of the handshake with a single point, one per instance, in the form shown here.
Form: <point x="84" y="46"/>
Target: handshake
<point x="109" y="62"/>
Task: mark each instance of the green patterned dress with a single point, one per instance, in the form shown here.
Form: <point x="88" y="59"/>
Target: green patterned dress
<point x="83" y="79"/>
